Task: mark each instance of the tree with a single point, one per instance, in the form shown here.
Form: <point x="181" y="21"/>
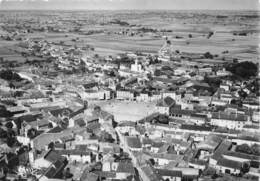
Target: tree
<point x="243" y="69"/>
<point x="31" y="133"/>
<point x="67" y="174"/>
<point x="255" y="149"/>
<point x="9" y="125"/>
<point x="50" y="125"/>
<point x="242" y="94"/>
<point x="152" y="161"/>
<point x="244" y="148"/>
<point x="245" y="168"/>
<point x="208" y="55"/>
<point x="190" y="35"/>
<point x="51" y="146"/>
<point x="210" y="34"/>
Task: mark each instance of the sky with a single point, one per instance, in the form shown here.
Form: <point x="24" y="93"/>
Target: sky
<point x="131" y="4"/>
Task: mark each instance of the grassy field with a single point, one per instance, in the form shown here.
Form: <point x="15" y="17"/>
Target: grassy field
<point x="179" y="24"/>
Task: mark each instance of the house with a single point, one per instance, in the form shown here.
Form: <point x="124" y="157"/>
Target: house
<point x="123" y="170"/>
<point x="229" y="166"/>
<point x="170" y="94"/>
<point x="181" y="114"/>
<point x="230" y="121"/>
<point x="134" y="143"/>
<point x="146" y="142"/>
<point x="198" y="164"/>
<point x="88" y="176"/>
<point x="52" y="163"/>
<point x="198" y="119"/>
<point x="165" y="158"/>
<point x="90" y="85"/>
<point x="241" y="157"/>
<point x="210" y="143"/>
<point x="124" y="95"/>
<point x="76" y="155"/>
<point x="218" y="102"/>
<point x="143" y="97"/>
<point x="223" y="73"/>
<point x="155" y="147"/>
<point x="224" y="86"/>
<point x="149" y="173"/>
<point x="171" y="175"/>
<point x="180" y="145"/>
<point x="128" y="127"/>
<point x="136" y="67"/>
<point x="105" y="148"/>
<point x="165" y="105"/>
<point x="220" y="150"/>
<point x="96" y="94"/>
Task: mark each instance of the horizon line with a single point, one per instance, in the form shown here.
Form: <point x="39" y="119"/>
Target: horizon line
<point x="76" y="9"/>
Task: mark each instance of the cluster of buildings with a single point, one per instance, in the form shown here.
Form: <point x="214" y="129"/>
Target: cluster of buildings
<point x="205" y="124"/>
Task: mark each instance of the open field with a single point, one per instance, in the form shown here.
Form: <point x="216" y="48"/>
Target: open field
<point x="96" y="29"/>
<point x="126" y="110"/>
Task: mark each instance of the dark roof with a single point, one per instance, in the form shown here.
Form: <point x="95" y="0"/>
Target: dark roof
<point x="125" y="167"/>
<point x="50" y="172"/>
<point x="221" y="149"/>
<point x="29" y="117"/>
<point x="90" y="85"/>
<point x="228" y="116"/>
<point x="59" y="145"/>
<point x="147" y="141"/>
<point x="56" y="129"/>
<point x="80" y="122"/>
<point x="181" y="111"/>
<point x="56" y="169"/>
<point x="171" y="173"/>
<point x="53" y="156"/>
<point x="164" y="80"/>
<point x="91" y="127"/>
<point x="73" y="152"/>
<point x="157" y="144"/>
<point x="196" y="115"/>
<point x="230" y="163"/>
<point x="151" y="174"/>
<point x="166" y="102"/>
<point x="73" y="114"/>
<point x="61" y="111"/>
<point x="88" y="176"/>
<point x="195" y="127"/>
<point x="105" y="174"/>
<point x="243" y="155"/>
<point x="133" y="142"/>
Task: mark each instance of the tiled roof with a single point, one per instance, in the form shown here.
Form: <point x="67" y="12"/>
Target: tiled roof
<point x="133" y="142"/>
<point x="53" y="156"/>
<point x="230" y="163"/>
<point x="227" y="116"/>
<point x="169" y="173"/>
<point x="125" y="167"/>
<point x="73" y="152"/>
<point x="195" y="127"/>
<point x="166" y="102"/>
<point x="61" y="111"/>
<point x="221" y="149"/>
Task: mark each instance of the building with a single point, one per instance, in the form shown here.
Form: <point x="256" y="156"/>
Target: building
<point x="229" y="166"/>
<point x="230" y="121"/>
<point x="136" y="67"/>
<point x="124" y="95"/>
<point x="164" y="106"/>
<point x="171" y="175"/>
<point x="76" y="155"/>
<point x="134" y="143"/>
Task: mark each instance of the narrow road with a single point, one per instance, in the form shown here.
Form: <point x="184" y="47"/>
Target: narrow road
<point x="125" y="147"/>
